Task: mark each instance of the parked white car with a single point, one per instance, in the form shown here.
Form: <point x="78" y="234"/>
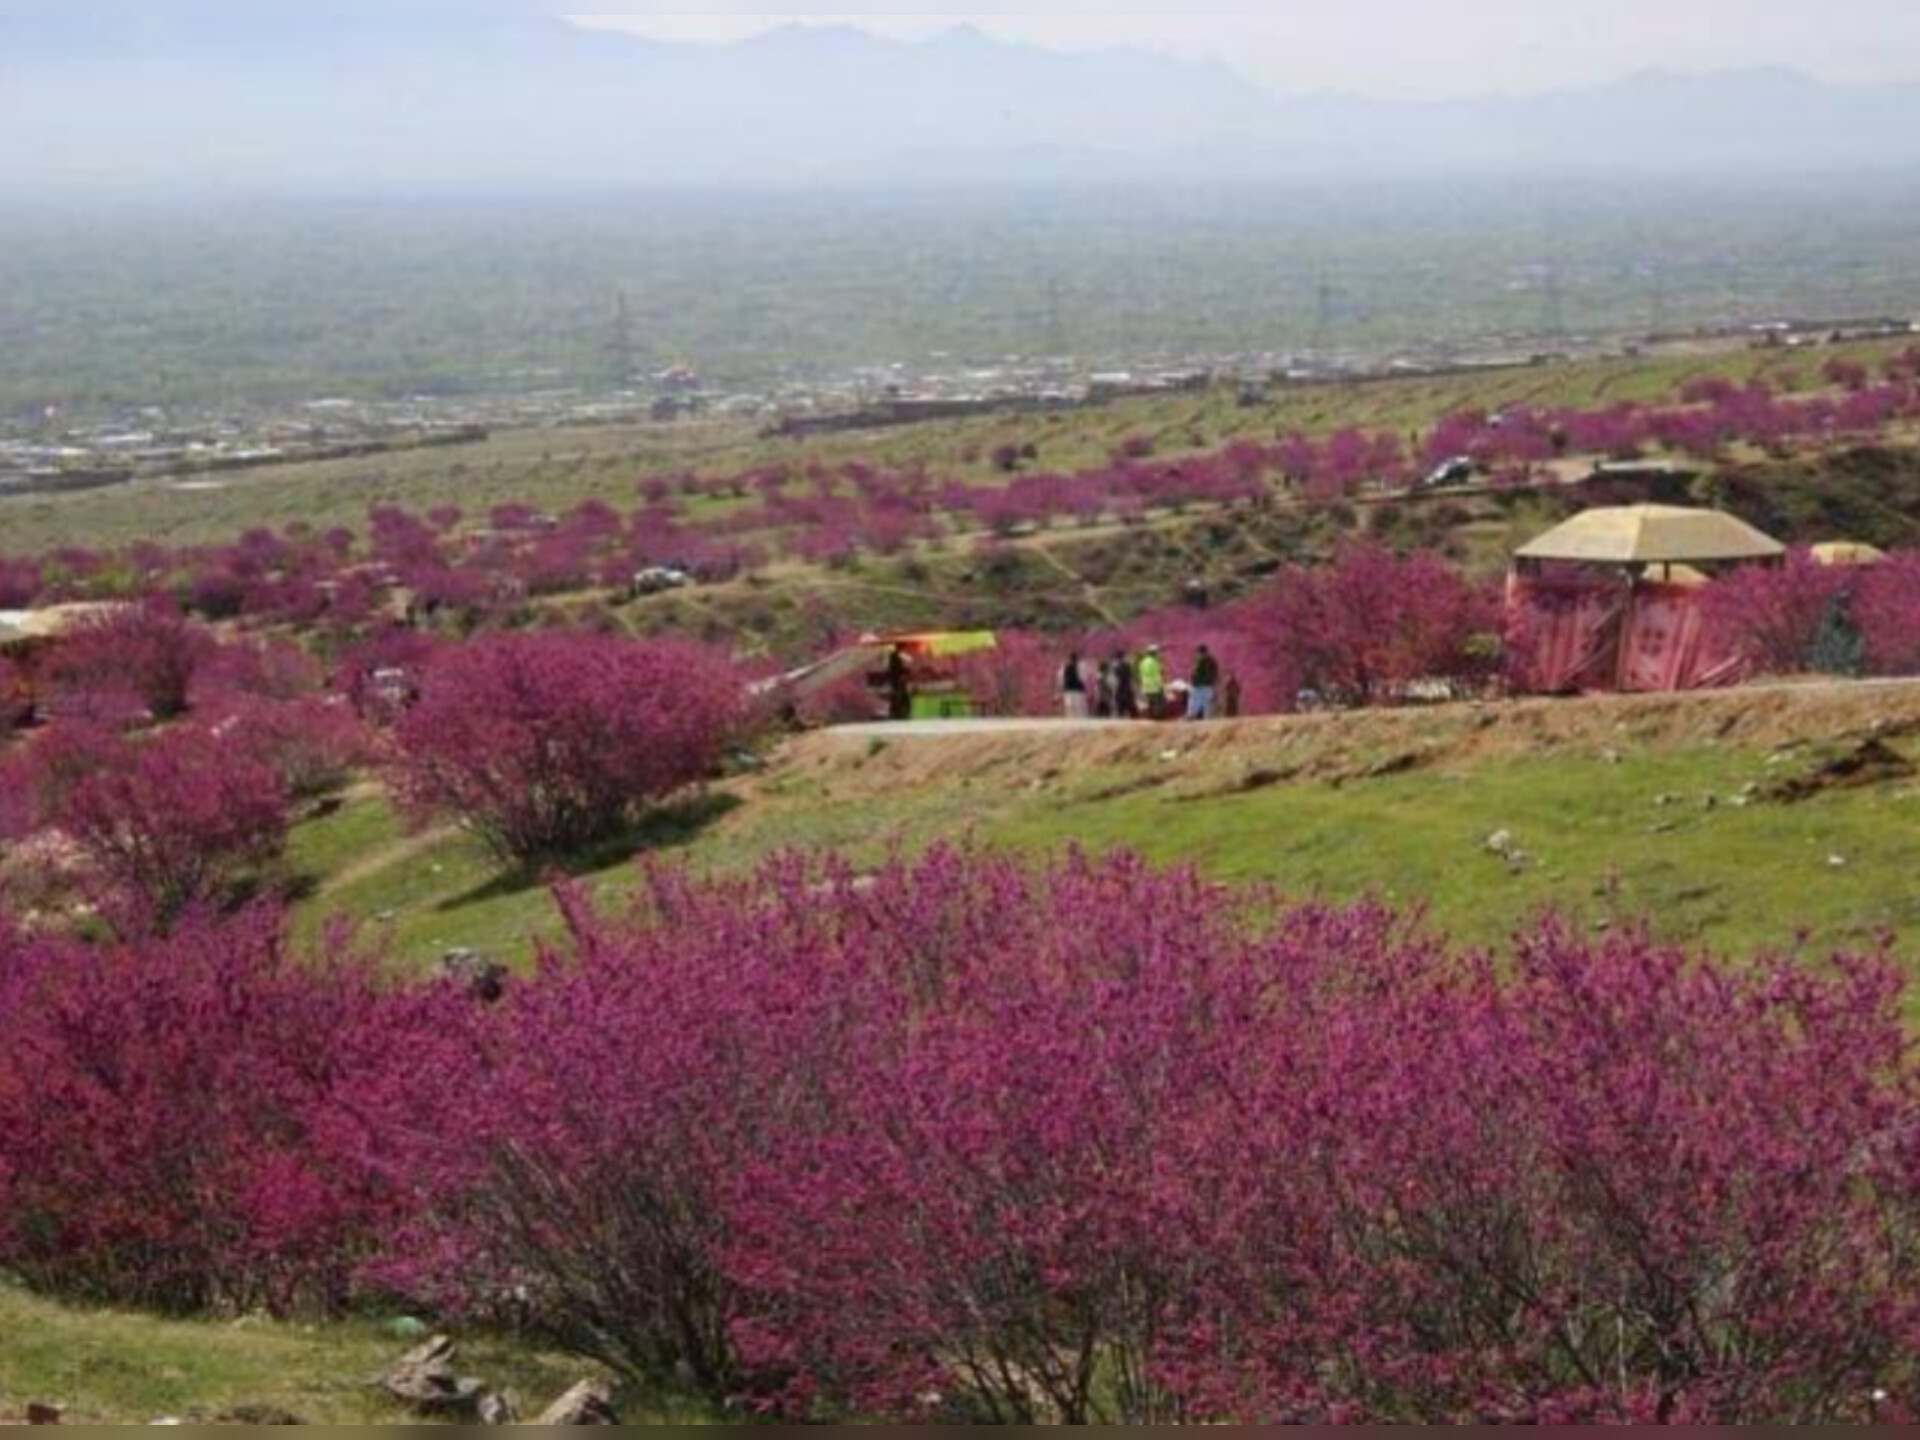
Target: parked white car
<point x="660" y="580"/>
<point x="1458" y="471"/>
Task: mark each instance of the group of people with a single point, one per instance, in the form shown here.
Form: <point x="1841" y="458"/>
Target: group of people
<point x="1122" y="688"/>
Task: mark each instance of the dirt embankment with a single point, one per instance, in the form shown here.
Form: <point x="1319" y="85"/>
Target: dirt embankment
<point x="1341" y="748"/>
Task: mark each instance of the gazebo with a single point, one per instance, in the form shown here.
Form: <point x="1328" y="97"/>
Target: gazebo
<point x="1848" y="554"/>
<point x="1648" y="538"/>
<point x="1611" y="600"/>
<point x="25" y="638"/>
<point x="25" y="629"/>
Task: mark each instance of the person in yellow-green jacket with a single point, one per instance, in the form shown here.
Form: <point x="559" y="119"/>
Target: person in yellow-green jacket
<point x="1153" y="684"/>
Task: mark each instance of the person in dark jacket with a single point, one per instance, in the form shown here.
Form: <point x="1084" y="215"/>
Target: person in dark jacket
<point x="899" y="686"/>
<point x="1073" y="689"/>
<point x="1205" y="693"/>
<point x="1126" y="694"/>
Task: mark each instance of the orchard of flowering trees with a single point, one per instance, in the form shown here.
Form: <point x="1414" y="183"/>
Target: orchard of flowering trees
<point x="965" y="1139"/>
<point x="486" y="569"/>
<point x="168" y="774"/>
<point x="174" y="763"/>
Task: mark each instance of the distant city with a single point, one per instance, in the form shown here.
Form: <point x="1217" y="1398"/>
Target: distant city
<point x="53" y="453"/>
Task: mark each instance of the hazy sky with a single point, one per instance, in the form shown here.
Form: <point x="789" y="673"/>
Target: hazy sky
<point x="1433" y="47"/>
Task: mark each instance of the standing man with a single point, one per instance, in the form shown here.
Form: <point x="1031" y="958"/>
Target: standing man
<point x="1126" y="697"/>
<point x="899" y="686"/>
<point x="1153" y="684"/>
<point x="1206" y="686"/>
<point x="1073" y="689"/>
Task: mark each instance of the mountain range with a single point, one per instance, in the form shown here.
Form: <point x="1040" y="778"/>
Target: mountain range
<point x="438" y="95"/>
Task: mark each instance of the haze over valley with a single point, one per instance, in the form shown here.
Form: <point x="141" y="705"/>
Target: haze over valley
<point x="439" y="97"/>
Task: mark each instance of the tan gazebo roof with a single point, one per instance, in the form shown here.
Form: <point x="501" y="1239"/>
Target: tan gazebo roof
<point x="21" y="627"/>
<point x="1653" y="535"/>
<point x="1848" y="553"/>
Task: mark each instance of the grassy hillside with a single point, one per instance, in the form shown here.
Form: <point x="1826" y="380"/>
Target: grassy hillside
<point x="1713" y="818"/>
<point x="109" y="1367"/>
<point x="1744" y="822"/>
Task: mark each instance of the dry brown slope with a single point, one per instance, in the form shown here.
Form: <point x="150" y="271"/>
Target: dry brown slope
<point x="1336" y="747"/>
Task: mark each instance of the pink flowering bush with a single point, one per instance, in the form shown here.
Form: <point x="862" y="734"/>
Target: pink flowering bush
<point x="165" y="1104"/>
<point x="1780" y="615"/>
<point x="264" y="669"/>
<point x="973" y="1140"/>
<point x="1775" y="615"/>
<point x="1887" y="609"/>
<point x="1624" y="1186"/>
<point x="14" y="704"/>
<point x="37" y="777"/>
<point x="135" y="662"/>
<point x="1369" y="627"/>
<point x="21" y="581"/>
<point x="1015" y="1200"/>
<point x="1020" y="676"/>
<point x="968" y="1138"/>
<point x="165" y="823"/>
<point x="671" y="1102"/>
<point x="312" y="745"/>
<point x="545" y="744"/>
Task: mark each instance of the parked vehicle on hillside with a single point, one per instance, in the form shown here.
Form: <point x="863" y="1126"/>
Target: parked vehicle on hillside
<point x="660" y="580"/>
<point x="1458" y="471"/>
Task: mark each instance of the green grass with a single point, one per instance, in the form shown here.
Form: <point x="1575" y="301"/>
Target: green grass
<point x="1669" y="837"/>
<point x="116" y="1367"/>
<point x="418" y="898"/>
<point x="1666" y="838"/>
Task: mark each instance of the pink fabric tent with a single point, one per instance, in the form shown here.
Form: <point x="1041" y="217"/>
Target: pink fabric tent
<point x="1582" y="632"/>
<point x="1611" y="601"/>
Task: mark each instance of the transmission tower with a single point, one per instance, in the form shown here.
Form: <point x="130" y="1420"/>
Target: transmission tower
<point x="1553" y="305"/>
<point x="1326" y="316"/>
<point x="623" y="349"/>
<point x="1055" y="340"/>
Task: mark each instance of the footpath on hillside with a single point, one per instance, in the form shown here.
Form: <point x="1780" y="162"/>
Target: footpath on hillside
<point x="1360" y="744"/>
